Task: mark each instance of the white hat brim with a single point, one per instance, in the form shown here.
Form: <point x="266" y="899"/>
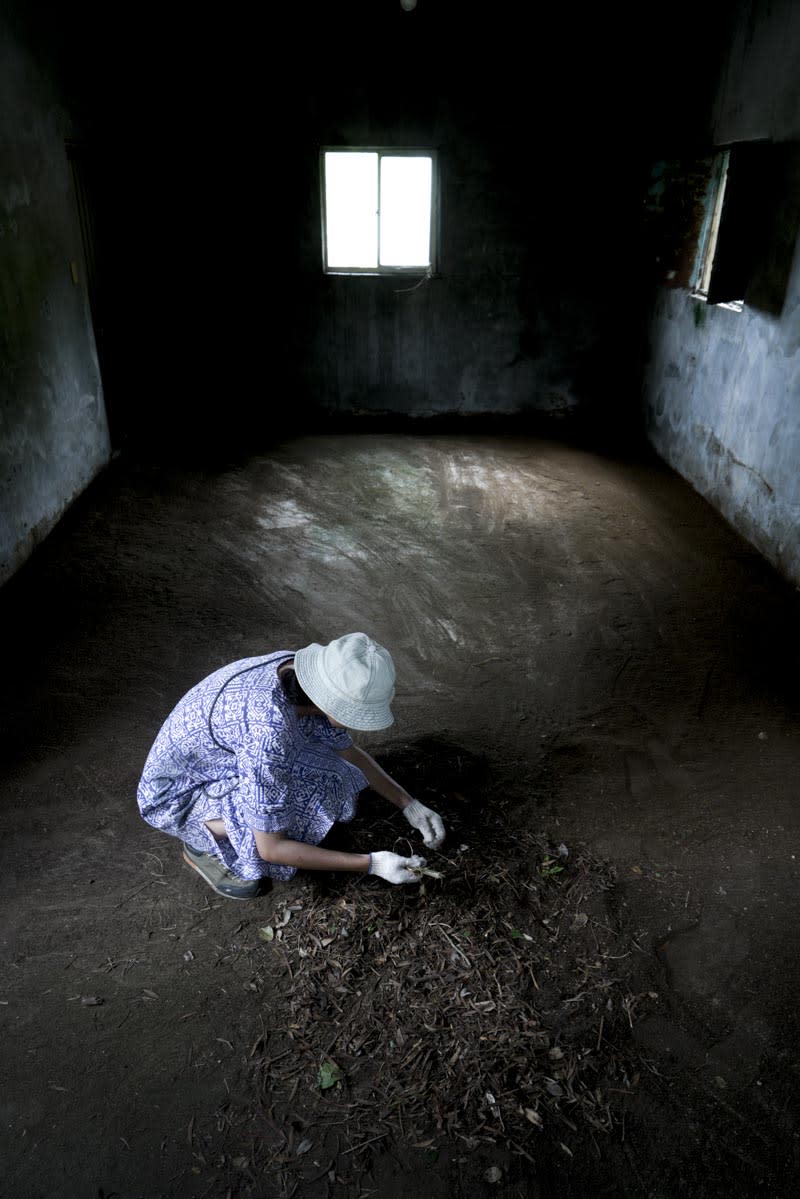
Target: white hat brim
<point x="362" y="717"/>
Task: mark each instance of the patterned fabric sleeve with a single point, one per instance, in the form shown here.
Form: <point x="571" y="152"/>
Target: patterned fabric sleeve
<point x="265" y="778"/>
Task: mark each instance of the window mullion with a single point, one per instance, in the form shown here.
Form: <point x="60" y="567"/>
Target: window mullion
<point x="380" y="176"/>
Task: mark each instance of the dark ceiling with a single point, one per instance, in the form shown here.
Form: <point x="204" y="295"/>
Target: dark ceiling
<point x="571" y="71"/>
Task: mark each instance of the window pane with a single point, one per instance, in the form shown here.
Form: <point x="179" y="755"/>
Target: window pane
<point x="351" y="209"/>
<point x="405" y="211"/>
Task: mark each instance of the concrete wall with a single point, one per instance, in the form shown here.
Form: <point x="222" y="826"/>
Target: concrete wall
<point x="759" y="90"/>
<point x="511" y="323"/>
<point x="537" y="256"/>
<point x="218" y="325"/>
<point x="53" y="432"/>
<point x="543" y="119"/>
<point x="538" y="307"/>
<point x="722" y="388"/>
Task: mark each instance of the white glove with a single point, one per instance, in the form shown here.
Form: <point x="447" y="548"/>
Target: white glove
<point x="426" y="822"/>
<point x="393" y="867"/>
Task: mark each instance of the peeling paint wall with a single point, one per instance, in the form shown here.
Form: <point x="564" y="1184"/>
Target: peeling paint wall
<point x="722" y="388"/>
<point x="53" y="431"/>
<point x="724" y="410"/>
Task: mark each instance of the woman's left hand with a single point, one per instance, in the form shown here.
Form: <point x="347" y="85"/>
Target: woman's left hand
<point x="425" y="821"/>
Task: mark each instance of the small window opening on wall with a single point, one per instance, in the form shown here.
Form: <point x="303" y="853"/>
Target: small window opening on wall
<point x="737" y="212"/>
<point x="378" y="211"/>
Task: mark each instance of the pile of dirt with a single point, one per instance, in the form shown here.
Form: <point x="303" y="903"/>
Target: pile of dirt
<point x="489" y="1005"/>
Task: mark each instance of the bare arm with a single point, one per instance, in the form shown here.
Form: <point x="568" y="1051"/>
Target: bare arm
<point x="378" y="779"/>
<point x="282" y="851"/>
<point x="423" y="819"/>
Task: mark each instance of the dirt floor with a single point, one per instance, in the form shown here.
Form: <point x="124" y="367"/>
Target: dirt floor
<point x="585" y="653"/>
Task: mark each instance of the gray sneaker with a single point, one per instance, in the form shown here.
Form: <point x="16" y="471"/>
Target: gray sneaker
<point x="218" y="876"/>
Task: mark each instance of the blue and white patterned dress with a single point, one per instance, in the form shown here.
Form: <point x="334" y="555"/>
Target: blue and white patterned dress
<point x="234" y="749"/>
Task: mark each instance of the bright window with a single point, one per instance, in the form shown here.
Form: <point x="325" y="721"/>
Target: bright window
<point x="378" y="209"/>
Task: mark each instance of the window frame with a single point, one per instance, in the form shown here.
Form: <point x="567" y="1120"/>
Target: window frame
<point x="709" y="232"/>
<point x="390" y="152"/>
<point x="747" y="183"/>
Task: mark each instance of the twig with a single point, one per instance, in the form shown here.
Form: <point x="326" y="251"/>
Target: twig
<point x="363" y="1145"/>
<point x="133" y="894"/>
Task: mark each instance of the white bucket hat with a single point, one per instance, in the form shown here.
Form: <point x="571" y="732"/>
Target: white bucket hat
<point x="350" y="679"/>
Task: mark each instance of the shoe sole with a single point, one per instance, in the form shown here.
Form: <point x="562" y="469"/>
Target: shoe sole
<point x="213" y="886"/>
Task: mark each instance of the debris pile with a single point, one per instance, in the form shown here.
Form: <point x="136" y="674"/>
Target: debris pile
<point x="487" y="1006"/>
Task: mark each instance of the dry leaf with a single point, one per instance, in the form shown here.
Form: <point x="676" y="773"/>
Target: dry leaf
<point x="479" y="994"/>
<point x="426" y="871"/>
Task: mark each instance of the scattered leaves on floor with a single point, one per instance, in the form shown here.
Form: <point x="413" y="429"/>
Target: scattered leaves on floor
<point x="490" y="1007"/>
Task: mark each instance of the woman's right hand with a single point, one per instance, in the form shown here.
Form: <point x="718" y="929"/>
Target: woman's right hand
<point x="395" y="868"/>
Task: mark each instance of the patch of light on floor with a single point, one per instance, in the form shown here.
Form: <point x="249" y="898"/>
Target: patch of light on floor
<point x="283" y="514"/>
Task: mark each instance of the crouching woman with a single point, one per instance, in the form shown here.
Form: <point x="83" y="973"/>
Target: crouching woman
<point x="256" y="764"/>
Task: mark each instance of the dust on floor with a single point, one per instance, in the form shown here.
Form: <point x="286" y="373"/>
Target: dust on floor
<point x="621" y="664"/>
